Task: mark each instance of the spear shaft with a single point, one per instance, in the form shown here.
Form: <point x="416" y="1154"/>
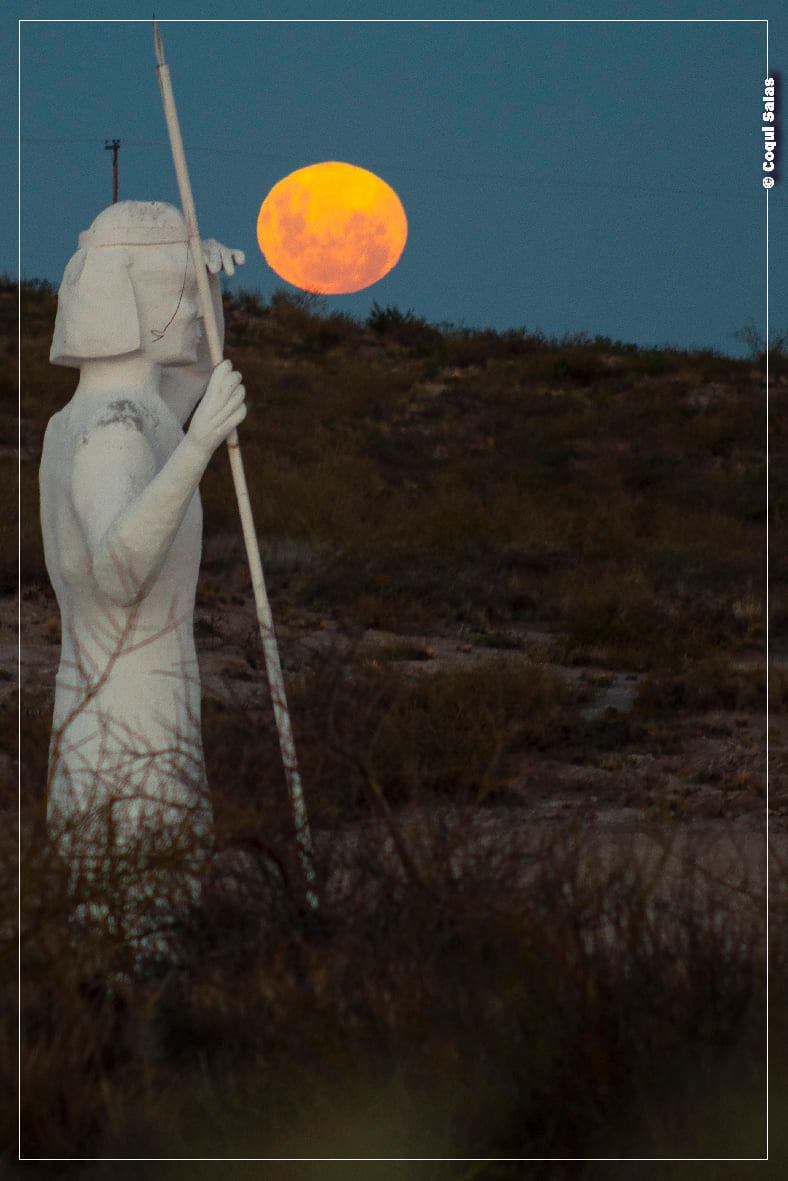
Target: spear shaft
<point x="263" y="608"/>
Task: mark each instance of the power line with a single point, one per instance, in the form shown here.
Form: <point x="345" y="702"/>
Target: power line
<point x="445" y="174"/>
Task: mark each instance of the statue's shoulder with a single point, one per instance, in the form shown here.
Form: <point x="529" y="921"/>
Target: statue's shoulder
<point x="117" y="421"/>
<point x="53" y="437"/>
<point x="58" y="437"/>
<point x="115" y="433"/>
<point x="55" y="426"/>
<point x="126" y="412"/>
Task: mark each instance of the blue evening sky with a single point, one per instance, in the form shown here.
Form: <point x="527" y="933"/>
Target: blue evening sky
<point x="597" y="177"/>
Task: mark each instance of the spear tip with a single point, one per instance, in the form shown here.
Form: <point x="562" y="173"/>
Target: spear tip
<point x="158" y="46"/>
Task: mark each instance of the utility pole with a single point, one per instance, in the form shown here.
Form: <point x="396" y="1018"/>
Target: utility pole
<point x="114" y="144"/>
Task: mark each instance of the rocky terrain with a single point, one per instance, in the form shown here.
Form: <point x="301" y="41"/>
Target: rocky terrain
<point x="717" y="770"/>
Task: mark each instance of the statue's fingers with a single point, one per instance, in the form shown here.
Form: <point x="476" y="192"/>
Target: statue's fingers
<point x="224" y="421"/>
<point x="226" y="408"/>
<point x="227" y="261"/>
<point x="239" y="257"/>
<point x="232" y="382"/>
<point x="213" y="255"/>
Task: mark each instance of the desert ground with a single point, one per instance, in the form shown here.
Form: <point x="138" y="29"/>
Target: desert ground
<point x="519" y="592"/>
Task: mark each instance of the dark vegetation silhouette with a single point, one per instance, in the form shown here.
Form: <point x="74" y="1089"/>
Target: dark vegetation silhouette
<point x="557" y="516"/>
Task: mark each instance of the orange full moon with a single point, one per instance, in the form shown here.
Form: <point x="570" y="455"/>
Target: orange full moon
<point x="332" y="228"/>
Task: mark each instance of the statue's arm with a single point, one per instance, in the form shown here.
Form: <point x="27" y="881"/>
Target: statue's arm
<point x="128" y="511"/>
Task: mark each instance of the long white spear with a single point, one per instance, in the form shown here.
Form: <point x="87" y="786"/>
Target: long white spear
<point x="264" y="619"/>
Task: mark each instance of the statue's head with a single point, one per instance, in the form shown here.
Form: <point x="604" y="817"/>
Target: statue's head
<point x="130" y="288"/>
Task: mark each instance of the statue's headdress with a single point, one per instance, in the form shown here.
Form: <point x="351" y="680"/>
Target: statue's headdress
<point x="96" y="306"/>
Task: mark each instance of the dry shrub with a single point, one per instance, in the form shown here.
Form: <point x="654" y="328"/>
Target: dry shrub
<point x="512" y="993"/>
<point x="436" y="734"/>
<point x="709" y="683"/>
<point x="471" y="985"/>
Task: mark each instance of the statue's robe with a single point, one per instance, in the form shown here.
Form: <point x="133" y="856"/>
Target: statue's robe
<point x="126" y="757"/>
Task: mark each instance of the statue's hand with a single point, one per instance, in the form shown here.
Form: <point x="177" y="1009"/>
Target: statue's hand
<point x="218" y="258"/>
<point x="220" y="411"/>
<point x="221" y="258"/>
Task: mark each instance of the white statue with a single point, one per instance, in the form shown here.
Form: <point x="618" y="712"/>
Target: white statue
<point x="122" y="527"/>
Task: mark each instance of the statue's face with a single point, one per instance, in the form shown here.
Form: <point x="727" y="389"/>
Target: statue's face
<point x="165" y="287"/>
